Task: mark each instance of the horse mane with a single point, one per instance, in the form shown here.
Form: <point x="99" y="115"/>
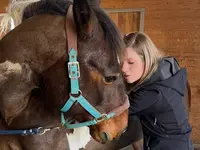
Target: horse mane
<point x="59" y="7"/>
<point x="13" y="15"/>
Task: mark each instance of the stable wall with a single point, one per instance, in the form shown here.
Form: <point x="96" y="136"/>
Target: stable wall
<point x="3" y="4"/>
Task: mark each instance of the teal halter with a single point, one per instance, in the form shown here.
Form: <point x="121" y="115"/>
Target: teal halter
<point x="74" y="74"/>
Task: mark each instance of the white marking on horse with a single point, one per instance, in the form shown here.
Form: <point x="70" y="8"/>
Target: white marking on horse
<point x="8" y="66"/>
<point x="79" y="138"/>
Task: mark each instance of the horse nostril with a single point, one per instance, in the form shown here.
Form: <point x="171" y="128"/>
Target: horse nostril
<point x="105" y="136"/>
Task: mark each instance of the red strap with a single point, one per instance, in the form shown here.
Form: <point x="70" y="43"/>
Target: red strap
<point x="71" y="30"/>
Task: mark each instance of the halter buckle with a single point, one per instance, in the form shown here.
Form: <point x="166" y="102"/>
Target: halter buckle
<point x="74" y="74"/>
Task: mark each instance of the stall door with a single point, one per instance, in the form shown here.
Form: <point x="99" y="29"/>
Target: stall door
<point x="126" y="21"/>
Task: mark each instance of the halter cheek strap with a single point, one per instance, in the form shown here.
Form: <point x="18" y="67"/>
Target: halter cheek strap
<point x="74" y="74"/>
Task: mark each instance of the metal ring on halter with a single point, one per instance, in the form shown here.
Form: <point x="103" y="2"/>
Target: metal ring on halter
<point x="76" y="95"/>
<point x="102" y="118"/>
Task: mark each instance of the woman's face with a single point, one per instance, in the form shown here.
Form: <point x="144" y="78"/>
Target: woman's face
<point x="132" y="65"/>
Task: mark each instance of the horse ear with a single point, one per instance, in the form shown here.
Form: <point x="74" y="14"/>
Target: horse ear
<point x="16" y="83"/>
<point x="83" y="17"/>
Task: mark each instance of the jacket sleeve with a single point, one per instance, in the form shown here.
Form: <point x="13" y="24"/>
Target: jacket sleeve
<point x="145" y="102"/>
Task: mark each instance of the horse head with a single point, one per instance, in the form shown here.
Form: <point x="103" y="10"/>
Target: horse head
<point x="41" y="46"/>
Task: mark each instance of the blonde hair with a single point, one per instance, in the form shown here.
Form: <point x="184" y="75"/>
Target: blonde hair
<point x="13" y="15"/>
<point x="148" y="52"/>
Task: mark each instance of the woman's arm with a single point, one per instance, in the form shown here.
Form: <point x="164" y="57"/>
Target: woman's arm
<point x="145" y="102"/>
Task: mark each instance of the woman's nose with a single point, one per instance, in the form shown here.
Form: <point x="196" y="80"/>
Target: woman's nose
<point x="124" y="68"/>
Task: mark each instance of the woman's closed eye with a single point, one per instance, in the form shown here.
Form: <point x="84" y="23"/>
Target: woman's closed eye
<point x="131" y="62"/>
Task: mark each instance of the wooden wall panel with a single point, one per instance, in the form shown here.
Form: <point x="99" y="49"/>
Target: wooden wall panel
<point x="174" y="26"/>
<point x="126" y="21"/>
<point x="3" y="4"/>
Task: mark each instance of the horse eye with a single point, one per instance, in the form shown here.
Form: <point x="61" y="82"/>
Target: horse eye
<point x="110" y="79"/>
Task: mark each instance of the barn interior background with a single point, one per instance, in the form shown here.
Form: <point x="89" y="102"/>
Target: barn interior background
<point x="174" y="26"/>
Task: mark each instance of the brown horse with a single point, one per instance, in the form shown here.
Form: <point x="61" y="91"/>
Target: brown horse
<point x="133" y="135"/>
<point x="35" y="84"/>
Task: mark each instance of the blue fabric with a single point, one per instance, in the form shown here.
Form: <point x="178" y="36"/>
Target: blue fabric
<point x="68" y="104"/>
<point x="85" y="104"/>
<point x="69" y="125"/>
<point x="74" y="73"/>
<point x="20" y="132"/>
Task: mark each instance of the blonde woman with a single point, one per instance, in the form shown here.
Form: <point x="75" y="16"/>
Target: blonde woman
<point x="157" y="86"/>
